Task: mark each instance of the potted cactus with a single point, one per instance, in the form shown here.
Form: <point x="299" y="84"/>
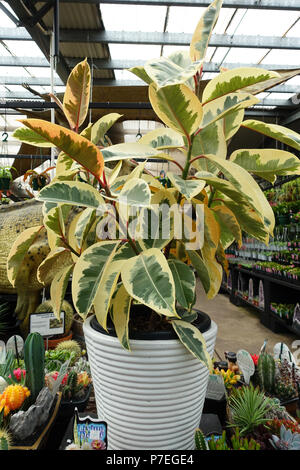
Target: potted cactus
<point x="133" y="247"/>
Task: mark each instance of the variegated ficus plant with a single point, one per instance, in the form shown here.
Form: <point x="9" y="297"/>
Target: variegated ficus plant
<point x="215" y="194"/>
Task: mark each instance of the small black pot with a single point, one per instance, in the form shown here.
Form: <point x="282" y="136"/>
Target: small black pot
<point x="67" y="407"/>
<point x="203" y="323"/>
<point x="4" y="184"/>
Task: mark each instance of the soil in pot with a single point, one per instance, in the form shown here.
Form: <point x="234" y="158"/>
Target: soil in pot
<point x="146" y="324"/>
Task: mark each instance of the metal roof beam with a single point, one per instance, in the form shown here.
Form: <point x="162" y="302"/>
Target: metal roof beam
<point x="110" y="64"/>
<point x="7" y="97"/>
<point x="291" y="118"/>
<point x="45" y="81"/>
<point x="250" y="4"/>
<point x="158" y="38"/>
<point x="34" y="33"/>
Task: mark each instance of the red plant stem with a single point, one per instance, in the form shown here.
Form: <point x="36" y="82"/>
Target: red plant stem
<point x="197" y="158"/>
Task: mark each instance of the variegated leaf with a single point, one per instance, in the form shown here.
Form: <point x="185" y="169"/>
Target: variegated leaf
<point x="193" y="340"/>
<point x="280" y="133"/>
<point x="135" y="192"/>
<point x="130" y="151"/>
<point x="178" y="107"/>
<point x="141" y="73"/>
<point x="164" y="72"/>
<point x="31" y="137"/>
<point x="120" y="310"/>
<point x="189" y="188"/>
<point x="228" y="223"/>
<point x="19" y="250"/>
<point x="225" y="105"/>
<point x="71" y="192"/>
<point x="185" y="282"/>
<point x="77" y="94"/>
<point x="231" y="123"/>
<point x="153" y="227"/>
<point x="58" y="289"/>
<point x="88" y="272"/>
<point x="106" y="288"/>
<point x="267" y="163"/>
<point x="148" y="279"/>
<point x="249" y="220"/>
<point x="200" y="267"/>
<point x="54" y="221"/>
<point x="203" y="31"/>
<point x="115" y="172"/>
<point x="210" y="140"/>
<point x="246" y="184"/>
<point x="100" y="128"/>
<point x="83" y="226"/>
<point x="223" y="186"/>
<point x="235" y="80"/>
<point x="72" y="144"/>
<point x="162" y="138"/>
<point x="53" y="263"/>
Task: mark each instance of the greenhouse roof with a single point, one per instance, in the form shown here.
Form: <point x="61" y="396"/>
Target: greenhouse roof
<point x="118" y="34"/>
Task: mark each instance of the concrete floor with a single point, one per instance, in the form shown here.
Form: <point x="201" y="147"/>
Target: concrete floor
<point x="239" y="327"/>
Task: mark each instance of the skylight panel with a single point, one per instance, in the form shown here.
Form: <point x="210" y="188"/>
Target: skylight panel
<point x="24" y="48"/>
<point x="294" y="31"/>
<point x="237" y="18"/>
<point x="13" y="72"/>
<point x="245" y="55"/>
<point x="280" y="56"/>
<point x="183" y="19"/>
<point x="127" y="75"/>
<point x="133" y="17"/>
<point x="266" y="22"/>
<point x="5" y="21"/>
<point x="134" y="51"/>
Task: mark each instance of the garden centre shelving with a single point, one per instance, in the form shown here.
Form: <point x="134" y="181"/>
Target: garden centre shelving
<point x="273" y="270"/>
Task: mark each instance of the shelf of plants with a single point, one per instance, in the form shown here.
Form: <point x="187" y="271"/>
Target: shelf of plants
<point x="268" y="277"/>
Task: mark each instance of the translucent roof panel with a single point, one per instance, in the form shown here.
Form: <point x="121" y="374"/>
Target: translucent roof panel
<point x="266" y="22"/>
<point x="127" y="75"/>
<point x="5" y="21"/>
<point x="134" y="51"/>
<point x="279" y="56"/>
<point x="24" y="48"/>
<point x="133" y="17"/>
<point x="244" y="55"/>
<point x="235" y="20"/>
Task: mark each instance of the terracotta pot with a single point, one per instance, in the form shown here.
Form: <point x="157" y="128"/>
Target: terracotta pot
<point x="52" y="343"/>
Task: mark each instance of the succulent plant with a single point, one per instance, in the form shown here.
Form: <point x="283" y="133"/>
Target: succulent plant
<point x="286" y="441"/>
<point x="71" y="346"/>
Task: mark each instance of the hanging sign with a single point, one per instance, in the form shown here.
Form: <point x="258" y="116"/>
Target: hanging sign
<point x="261" y="295"/>
<point x="246" y="364"/>
<point x="47" y="324"/>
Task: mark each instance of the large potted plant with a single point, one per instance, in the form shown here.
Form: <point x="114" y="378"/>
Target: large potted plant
<point x="132" y="243"/>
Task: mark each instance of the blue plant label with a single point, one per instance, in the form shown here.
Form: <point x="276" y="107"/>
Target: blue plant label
<point x="91" y="432"/>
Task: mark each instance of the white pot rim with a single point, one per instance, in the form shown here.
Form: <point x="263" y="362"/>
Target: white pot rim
<point x="145" y="343"/>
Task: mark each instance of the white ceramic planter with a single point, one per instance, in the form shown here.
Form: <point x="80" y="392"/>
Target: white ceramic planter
<point x="151" y="398"/>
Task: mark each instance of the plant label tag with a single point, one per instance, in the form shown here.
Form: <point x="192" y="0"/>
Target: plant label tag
<point x="246" y="364"/>
<point x="47" y="324"/>
<point x="2" y="352"/>
<point x="281" y="351"/>
<point x="261" y="295"/>
<point x="91" y="433"/>
<point x="215" y="387"/>
<point x="250" y="296"/>
<point x="296" y="317"/>
<point x="15" y="344"/>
